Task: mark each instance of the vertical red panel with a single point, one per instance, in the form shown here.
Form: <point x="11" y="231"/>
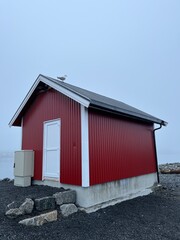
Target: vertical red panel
<point x="119" y="148"/>
<point x="48" y="106"/>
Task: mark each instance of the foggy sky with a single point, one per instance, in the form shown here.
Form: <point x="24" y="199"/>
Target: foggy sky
<point x="127" y="50"/>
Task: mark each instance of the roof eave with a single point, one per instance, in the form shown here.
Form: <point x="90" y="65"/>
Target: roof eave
<point x="128" y="114"/>
<point x="83" y="101"/>
<point x="19" y="110"/>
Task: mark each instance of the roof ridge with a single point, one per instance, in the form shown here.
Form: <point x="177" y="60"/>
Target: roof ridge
<point x="108" y="102"/>
<point x="87" y="99"/>
<point x="63" y="84"/>
<point x="70" y="87"/>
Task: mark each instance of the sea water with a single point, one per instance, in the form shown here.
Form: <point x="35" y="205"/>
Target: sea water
<point x="6" y="165"/>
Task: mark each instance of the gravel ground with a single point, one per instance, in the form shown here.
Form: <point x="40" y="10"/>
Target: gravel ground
<point x="156" y="216"/>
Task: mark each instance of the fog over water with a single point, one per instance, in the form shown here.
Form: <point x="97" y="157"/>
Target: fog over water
<point x="6" y="165"/>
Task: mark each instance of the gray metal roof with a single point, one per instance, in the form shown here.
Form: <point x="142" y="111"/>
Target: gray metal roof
<point x="107" y="104"/>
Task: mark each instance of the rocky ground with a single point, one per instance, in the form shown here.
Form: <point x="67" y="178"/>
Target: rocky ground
<point x="172" y="168"/>
<point x="156" y="216"/>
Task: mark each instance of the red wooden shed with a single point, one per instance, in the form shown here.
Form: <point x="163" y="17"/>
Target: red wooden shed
<point x="101" y="147"/>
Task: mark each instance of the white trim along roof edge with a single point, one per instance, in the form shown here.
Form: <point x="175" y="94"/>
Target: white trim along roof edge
<point x="83" y="101"/>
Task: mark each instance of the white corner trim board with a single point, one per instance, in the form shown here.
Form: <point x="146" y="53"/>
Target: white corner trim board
<point x="84" y="146"/>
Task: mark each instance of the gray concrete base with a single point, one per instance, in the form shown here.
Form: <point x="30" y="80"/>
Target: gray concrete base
<point x="102" y="195"/>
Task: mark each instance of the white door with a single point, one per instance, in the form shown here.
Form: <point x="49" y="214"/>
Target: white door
<point x="51" y="150"/>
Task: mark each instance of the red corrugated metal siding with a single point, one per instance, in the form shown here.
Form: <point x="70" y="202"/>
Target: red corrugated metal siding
<point x="119" y="148"/>
<point x="54" y="105"/>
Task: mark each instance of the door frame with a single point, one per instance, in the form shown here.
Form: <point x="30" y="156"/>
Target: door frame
<point x="44" y="154"/>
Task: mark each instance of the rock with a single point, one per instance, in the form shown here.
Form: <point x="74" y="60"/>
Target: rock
<point x="45" y="203"/>
<point x="6" y="180"/>
<point x="12" y="205"/>
<point x="27" y="206"/>
<point x="65" y="197"/>
<point x="14" y="213"/>
<point x="68" y="209"/>
<point x="41" y="219"/>
<point x="170" y="171"/>
<point x="170" y="168"/>
<point x="165" y="171"/>
<point x="175" y="171"/>
<point x="13" y="209"/>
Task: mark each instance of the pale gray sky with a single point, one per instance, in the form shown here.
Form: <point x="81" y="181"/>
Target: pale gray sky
<point x="128" y="50"/>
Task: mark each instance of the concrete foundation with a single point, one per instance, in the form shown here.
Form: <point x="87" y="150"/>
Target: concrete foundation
<point x="102" y="195"/>
<point x="22" y="181"/>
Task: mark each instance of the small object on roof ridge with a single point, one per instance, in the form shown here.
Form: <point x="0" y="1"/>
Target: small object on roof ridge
<point x="63" y="78"/>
